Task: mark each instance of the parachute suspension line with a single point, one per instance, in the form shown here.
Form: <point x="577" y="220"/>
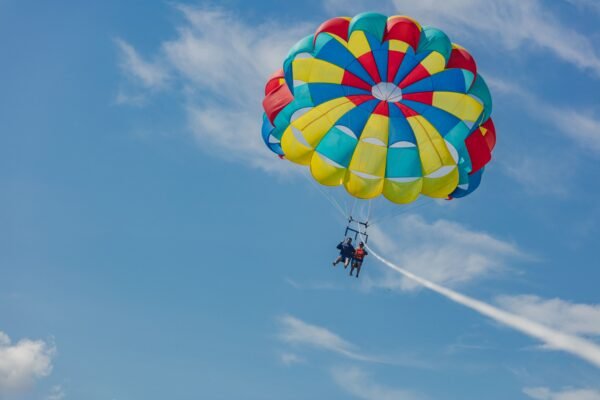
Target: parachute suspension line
<point x="353" y="206"/>
<point x="327" y="196"/>
<point x="357" y="230"/>
<point x="350" y="205"/>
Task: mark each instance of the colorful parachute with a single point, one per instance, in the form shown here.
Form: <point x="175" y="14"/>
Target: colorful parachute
<point x="382" y="106"/>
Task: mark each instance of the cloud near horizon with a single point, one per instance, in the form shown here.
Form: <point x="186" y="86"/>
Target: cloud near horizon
<point x="358" y="384"/>
<point x="23" y="363"/>
<point x="544" y="393"/>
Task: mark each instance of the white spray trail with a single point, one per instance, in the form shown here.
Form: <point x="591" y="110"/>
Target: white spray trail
<point x="575" y="345"/>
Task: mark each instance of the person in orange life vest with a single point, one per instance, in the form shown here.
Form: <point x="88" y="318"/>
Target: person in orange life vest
<point x="358" y="258"/>
<point x="346" y="252"/>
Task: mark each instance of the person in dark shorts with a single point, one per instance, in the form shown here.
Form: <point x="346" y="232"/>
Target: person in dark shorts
<point x="358" y="258"/>
<point x="346" y="252"/>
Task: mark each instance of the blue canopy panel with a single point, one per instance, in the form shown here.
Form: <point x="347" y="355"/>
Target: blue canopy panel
<point x="336" y="53"/>
<point x="480" y="90"/>
<point x="432" y="39"/>
<point x="370" y="23"/>
<point x="322" y="92"/>
<point x="357" y="118"/>
<point x="338" y="145"/>
<point x="467" y="183"/>
<point x="450" y="80"/>
<point x="380" y="54"/>
<point x="409" y="62"/>
<point x="443" y="121"/>
<point x="399" y="129"/>
<point x="452" y="129"/>
<point x="271" y="142"/>
<point x="403" y="162"/>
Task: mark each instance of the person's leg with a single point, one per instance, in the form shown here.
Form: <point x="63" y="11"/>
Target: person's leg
<point x="337" y="260"/>
<point x="352" y="268"/>
<point x="346" y="262"/>
<point x="358" y="265"/>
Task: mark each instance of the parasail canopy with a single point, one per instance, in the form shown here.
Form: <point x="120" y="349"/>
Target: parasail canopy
<point x="382" y="106"/>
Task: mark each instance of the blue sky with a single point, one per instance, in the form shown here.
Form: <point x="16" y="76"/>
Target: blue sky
<point x="152" y="248"/>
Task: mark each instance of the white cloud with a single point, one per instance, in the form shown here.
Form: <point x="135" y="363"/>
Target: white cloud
<point x="357" y="383"/>
<point x="220" y="51"/>
<point x="234" y="135"/>
<point x="577" y="319"/>
<point x="511" y="23"/>
<point x="148" y="74"/>
<point x="125" y="97"/>
<point x="352" y="7"/>
<point x="544" y="393"/>
<point x="443" y="251"/>
<point x="540" y="175"/>
<point x="288" y="359"/>
<point x="593" y="5"/>
<point x="56" y="393"/>
<point x="296" y="331"/>
<point x="580" y="126"/>
<point x="220" y="63"/>
<point x="22" y="363"/>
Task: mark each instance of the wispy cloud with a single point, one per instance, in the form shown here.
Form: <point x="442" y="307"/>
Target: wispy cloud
<point x="143" y="77"/>
<point x="544" y="393"/>
<point x="288" y="359"/>
<point x="295" y="331"/>
<point x="24" y="362"/>
<point x="443" y="251"/>
<point x="469" y="342"/>
<point x="574" y="318"/>
<point x="580" y="126"/>
<point x="540" y="175"/>
<point x="150" y="75"/>
<point x="219" y="62"/>
<point x="357" y="383"/>
<point x="512" y="23"/>
<point x="593" y="5"/>
<point x="56" y="393"/>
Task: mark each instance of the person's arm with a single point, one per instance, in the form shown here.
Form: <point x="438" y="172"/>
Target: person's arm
<point x="339" y="246"/>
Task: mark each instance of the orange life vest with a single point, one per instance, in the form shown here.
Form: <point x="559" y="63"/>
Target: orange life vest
<point x="359" y="254"/>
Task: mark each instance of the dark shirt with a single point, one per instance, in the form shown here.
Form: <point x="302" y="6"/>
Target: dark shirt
<point x="346" y="249"/>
